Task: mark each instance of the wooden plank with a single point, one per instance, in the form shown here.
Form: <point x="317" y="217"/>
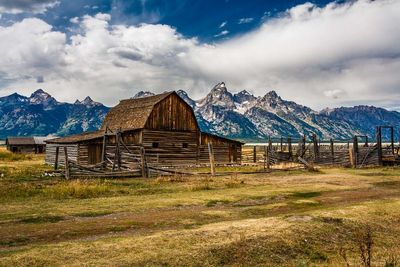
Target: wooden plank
<point x="211" y="155"/>
<point x="56" y="159"/>
<point x="67" y="174"/>
<point x="143" y="163"/>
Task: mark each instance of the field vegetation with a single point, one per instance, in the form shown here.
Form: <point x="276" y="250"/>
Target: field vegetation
<point x="329" y="217"/>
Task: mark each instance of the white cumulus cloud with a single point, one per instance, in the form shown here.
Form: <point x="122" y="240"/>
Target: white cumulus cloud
<point x="340" y="54"/>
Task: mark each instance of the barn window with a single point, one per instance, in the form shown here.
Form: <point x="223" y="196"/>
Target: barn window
<point x="155" y="145"/>
<point x="185" y="145"/>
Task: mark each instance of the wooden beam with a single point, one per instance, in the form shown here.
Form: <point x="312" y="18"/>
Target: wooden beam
<point x="255" y="154"/>
<point x="289" y="141"/>
<point x="315" y="146"/>
<point x="392" y="138"/>
<point x="143" y="162"/>
<point x="379" y="144"/>
<point x="56" y="159"/>
<point x="355" y="151"/>
<point x="66" y="165"/>
<point x="332" y="151"/>
<point x="103" y="151"/>
<point x="211" y="155"/>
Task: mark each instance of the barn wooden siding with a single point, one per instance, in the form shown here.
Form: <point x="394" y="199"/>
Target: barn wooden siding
<point x="225" y="151"/>
<point x="172" y="113"/>
<point x="170" y="147"/>
<point x="72" y="150"/>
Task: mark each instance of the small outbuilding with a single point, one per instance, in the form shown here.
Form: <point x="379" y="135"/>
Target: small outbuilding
<point x="33" y="144"/>
<point x="164" y="125"/>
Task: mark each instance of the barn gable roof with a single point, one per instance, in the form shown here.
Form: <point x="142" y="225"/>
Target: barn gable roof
<point x="132" y="113"/>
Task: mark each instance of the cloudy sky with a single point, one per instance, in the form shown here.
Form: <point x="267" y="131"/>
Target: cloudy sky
<point x="317" y="53"/>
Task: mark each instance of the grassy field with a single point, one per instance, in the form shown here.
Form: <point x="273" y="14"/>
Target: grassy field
<point x="331" y="217"/>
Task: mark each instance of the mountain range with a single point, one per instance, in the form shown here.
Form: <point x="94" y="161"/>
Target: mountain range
<point x="241" y="116"/>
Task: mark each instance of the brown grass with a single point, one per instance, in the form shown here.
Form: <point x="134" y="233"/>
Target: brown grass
<point x="283" y="218"/>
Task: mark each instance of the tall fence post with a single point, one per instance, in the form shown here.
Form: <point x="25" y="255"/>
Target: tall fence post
<point x="303" y="145"/>
<point x="103" y="151"/>
<point x="379" y="144"/>
<point x="392" y="138"/>
<point x="144" y="163"/>
<point x="315" y="147"/>
<point x="56" y="159"/>
<point x="66" y="165"/>
<point x="267" y="155"/>
<point x="265" y="158"/>
<point x="211" y="155"/>
<point x="355" y="151"/>
<point x="255" y="154"/>
<point x="289" y="141"/>
<point x="332" y="151"/>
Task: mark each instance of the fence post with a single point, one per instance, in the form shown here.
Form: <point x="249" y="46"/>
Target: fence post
<point x="315" y="147"/>
<point x="103" y="152"/>
<point x="66" y="165"/>
<point x="355" y="151"/>
<point x="144" y="163"/>
<point x="289" y="141"/>
<point x="56" y="159"/>
<point x="379" y="144"/>
<point x="281" y="143"/>
<point x="392" y="138"/>
<point x="332" y="151"/>
<point x="211" y="155"/>
<point x="267" y="155"/>
<point x="254" y="154"/>
<point x="303" y="145"/>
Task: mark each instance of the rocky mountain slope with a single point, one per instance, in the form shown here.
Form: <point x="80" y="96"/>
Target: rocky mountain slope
<point x="41" y="114"/>
<point x="241" y="115"/>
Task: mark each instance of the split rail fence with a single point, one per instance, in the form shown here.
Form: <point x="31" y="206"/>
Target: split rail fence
<point x="123" y="160"/>
<point x="357" y="152"/>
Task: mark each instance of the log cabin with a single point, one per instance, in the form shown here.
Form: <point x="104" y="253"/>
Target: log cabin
<point x="164" y="125"/>
<point x="33" y="144"/>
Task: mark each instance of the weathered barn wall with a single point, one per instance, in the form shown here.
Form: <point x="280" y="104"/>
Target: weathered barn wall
<point x="170" y="147"/>
<point x="50" y="158"/>
<point x="172" y="113"/>
<point x="225" y="151"/>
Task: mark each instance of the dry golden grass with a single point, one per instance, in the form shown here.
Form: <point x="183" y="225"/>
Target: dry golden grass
<point x="283" y="218"/>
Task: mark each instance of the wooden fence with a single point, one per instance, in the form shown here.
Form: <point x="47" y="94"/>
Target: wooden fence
<point x="357" y="152"/>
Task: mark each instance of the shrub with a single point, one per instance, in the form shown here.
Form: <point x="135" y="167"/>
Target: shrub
<point x="78" y="189"/>
<point x="8" y="156"/>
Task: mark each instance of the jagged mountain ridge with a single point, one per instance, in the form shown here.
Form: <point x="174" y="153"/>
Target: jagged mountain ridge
<point x="240" y="115"/>
<point x="41" y="114"/>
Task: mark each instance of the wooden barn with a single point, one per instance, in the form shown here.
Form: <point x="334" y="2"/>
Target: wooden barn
<point x="164" y="125"/>
<point x="34" y="144"/>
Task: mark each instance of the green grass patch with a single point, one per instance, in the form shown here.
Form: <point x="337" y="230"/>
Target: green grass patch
<point x="215" y="202"/>
<point x="42" y="219"/>
<point x="79" y="189"/>
<point x="306" y="194"/>
<point x="92" y="213"/>
<point x="8" y="156"/>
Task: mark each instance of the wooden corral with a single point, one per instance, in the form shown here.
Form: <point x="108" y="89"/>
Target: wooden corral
<point x="156" y="131"/>
<point x="357" y="152"/>
<point x="34" y="144"/>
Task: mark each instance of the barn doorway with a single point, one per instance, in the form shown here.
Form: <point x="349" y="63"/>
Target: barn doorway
<point x="94" y="153"/>
<point x="232" y="153"/>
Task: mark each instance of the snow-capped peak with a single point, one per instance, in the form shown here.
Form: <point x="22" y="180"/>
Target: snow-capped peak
<point x="41" y="97"/>
<point x="143" y="94"/>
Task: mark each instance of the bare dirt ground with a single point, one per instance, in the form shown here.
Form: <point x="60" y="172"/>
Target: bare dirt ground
<point x="293" y="218"/>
